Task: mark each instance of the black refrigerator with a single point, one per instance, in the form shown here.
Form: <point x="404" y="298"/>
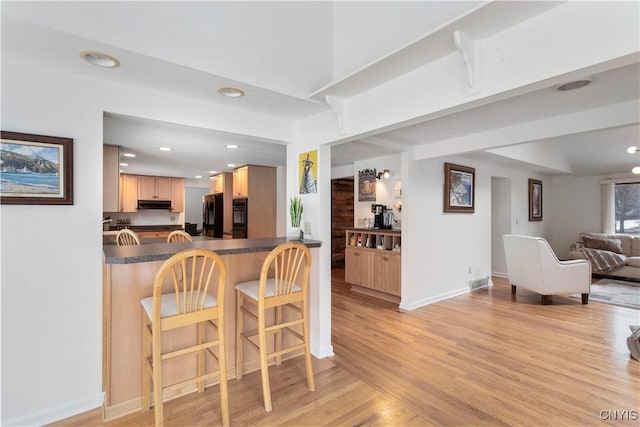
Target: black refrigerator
<point x="212" y="216"/>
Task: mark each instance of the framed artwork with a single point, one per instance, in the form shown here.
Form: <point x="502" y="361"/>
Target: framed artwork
<point x="459" y="188"/>
<point x="35" y="169"/>
<point x="308" y="172"/>
<point x="535" y="200"/>
<point x="367" y="185"/>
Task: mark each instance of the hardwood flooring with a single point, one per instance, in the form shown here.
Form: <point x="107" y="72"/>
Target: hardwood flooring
<point x="481" y="359"/>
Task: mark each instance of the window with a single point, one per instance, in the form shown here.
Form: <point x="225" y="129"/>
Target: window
<point x="627" y="208"/>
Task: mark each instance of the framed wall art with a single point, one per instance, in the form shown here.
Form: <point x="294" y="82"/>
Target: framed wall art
<point x="308" y="172"/>
<point x="367" y="185"/>
<point x="35" y="169"/>
<point x="535" y="200"/>
<point x="459" y="188"/>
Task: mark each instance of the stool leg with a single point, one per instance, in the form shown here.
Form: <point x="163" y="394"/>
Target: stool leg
<point x="307" y="351"/>
<point x="146" y="369"/>
<point x="278" y="334"/>
<point x="157" y="377"/>
<point x="222" y="365"/>
<point x="201" y="356"/>
<point x="239" y="341"/>
<point x="264" y="366"/>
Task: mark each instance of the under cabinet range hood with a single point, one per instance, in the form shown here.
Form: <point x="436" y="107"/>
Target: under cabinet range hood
<point x="154" y="204"/>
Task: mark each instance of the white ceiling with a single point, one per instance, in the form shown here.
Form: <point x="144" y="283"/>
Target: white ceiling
<point x="280" y="53"/>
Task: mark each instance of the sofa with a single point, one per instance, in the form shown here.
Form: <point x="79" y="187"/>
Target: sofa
<point x="611" y="255"/>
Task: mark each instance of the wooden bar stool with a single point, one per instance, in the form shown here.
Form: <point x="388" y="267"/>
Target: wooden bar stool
<point x="289" y="266"/>
<point x="127" y="237"/>
<point x="179" y="236"/>
<point x="198" y="280"/>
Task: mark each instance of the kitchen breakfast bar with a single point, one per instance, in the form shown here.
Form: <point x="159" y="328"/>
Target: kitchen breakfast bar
<point x="128" y="275"/>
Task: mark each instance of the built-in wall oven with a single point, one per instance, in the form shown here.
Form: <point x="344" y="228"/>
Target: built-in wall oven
<point x="239" y="218"/>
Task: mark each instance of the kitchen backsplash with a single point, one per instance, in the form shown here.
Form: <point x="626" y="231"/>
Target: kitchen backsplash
<point x="149" y="217"/>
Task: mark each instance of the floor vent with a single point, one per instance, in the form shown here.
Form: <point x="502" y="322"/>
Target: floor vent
<point x="479" y="283"/>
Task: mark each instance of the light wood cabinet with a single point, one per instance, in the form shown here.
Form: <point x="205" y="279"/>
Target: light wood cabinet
<point x="359" y="266"/>
<point x="373" y="262"/>
<point x="241" y="182"/>
<point x="221" y="183"/>
<point x="128" y="193"/>
<point x="258" y="185"/>
<point x="154" y="188"/>
<point x="177" y="194"/>
<point x="111" y="178"/>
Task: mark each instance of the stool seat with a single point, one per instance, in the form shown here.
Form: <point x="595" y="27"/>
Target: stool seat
<point x="252" y="288"/>
<point x="170" y="306"/>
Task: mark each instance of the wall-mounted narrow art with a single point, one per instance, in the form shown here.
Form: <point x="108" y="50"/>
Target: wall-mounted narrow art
<point x="459" y="188"/>
<point x="36" y="169"/>
<point x="535" y="200"/>
<point x="367" y="185"/>
<point x="308" y="172"/>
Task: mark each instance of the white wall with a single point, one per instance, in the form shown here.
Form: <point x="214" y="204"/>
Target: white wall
<point x="441" y="251"/>
<point x="500" y="223"/>
<point x="193" y="204"/>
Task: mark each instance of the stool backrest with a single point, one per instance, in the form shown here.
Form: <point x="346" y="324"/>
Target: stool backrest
<point x="126" y="237"/>
<point x="191" y="274"/>
<point x="179" y="236"/>
<point x="288" y="265"/>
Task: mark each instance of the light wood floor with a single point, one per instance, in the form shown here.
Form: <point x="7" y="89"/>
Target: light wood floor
<point x="481" y="359"/>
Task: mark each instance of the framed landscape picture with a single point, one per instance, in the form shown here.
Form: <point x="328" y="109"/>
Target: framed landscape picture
<point x="35" y="169"/>
<point x="459" y="188"/>
<point x="535" y="200"/>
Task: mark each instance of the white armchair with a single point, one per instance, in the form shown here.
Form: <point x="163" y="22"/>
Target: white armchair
<point x="532" y="264"/>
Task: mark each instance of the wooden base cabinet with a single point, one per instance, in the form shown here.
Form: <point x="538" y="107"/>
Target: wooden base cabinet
<point x="373" y="262"/>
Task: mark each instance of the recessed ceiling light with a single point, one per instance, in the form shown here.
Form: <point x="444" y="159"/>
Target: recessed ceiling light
<point x="124" y="164"/>
<point x="128" y="154"/>
<point x="577" y="84"/>
<point x="231" y="146"/>
<point x="100" y="59"/>
<point x="636" y="170"/>
<point x="231" y="165"/>
<point x="633" y="149"/>
<point x="198" y="176"/>
<point x="230" y="92"/>
<point x="164" y="148"/>
<point x="212" y="172"/>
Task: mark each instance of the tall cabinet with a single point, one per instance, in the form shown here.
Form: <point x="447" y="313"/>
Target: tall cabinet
<point x="257" y="184"/>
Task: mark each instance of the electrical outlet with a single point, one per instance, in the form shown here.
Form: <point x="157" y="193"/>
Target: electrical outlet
<point x="307" y="228"/>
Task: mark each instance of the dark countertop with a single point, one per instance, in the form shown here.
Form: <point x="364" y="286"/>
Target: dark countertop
<point x="169" y="227"/>
<point x="377" y="230"/>
<point x="162" y="251"/>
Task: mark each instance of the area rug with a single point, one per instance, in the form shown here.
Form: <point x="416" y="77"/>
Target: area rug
<point x="617" y="292"/>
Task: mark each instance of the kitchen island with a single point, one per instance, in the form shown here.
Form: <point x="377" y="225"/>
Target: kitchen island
<point x="128" y="274"/>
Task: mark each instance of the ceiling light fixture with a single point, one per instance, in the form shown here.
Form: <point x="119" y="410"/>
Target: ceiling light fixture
<point x="212" y="172"/>
<point x="636" y="170"/>
<point x="124" y="164"/>
<point x="128" y="155"/>
<point x="576" y="84"/>
<point x="231" y="92"/>
<point x="100" y="59"/>
<point x="198" y="176"/>
<point x="633" y="150"/>
<point x="231" y="165"/>
<point x="232" y="146"/>
<point x="164" y="148"/>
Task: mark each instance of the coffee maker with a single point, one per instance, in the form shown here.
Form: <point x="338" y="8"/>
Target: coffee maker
<point x="378" y="212"/>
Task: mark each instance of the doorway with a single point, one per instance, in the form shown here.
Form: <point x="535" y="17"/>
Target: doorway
<point x="500" y="223"/>
<point x="342" y="214"/>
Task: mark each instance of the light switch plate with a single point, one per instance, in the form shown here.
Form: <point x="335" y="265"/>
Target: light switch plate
<point x="307" y="228"/>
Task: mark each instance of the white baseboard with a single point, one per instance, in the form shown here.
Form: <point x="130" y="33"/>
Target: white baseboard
<point x="326" y="351"/>
<point x="435" y="298"/>
<point x="59" y="413"/>
<point x="499" y="274"/>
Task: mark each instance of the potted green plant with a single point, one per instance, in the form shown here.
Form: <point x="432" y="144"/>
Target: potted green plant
<point x="295" y="210"/>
